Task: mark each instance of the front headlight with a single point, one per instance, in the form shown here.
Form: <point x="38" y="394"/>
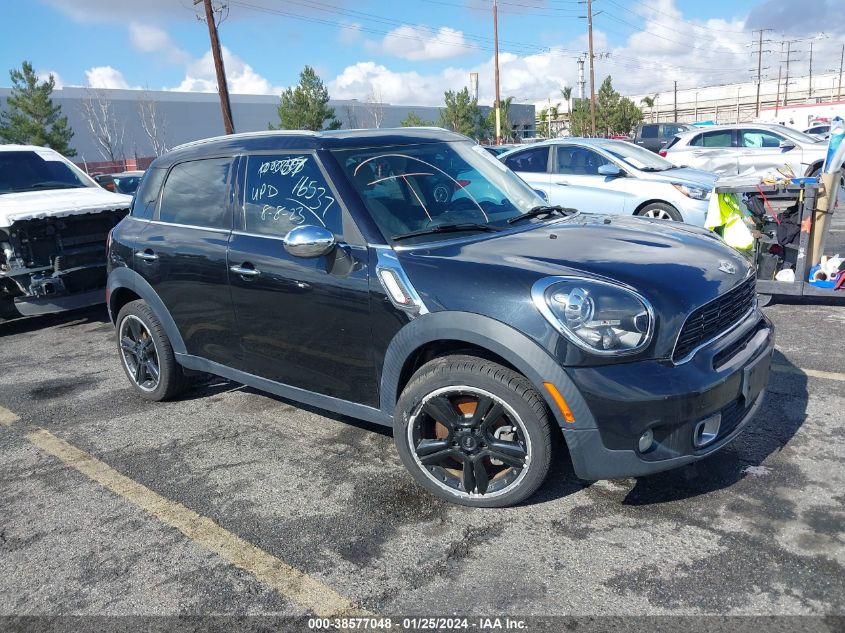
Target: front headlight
<point x="598" y="316"/>
<point x="696" y="193"/>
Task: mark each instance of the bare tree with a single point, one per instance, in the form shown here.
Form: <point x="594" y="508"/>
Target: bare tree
<point x="98" y="113"/>
<point x="153" y="123"/>
<point x="351" y="111"/>
<point x="375" y="106"/>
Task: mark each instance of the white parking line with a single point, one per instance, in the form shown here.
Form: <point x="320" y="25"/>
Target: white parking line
<point x="290" y="582"/>
<point x="7" y="417"/>
<point x="815" y="373"/>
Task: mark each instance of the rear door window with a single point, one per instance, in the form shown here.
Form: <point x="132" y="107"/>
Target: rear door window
<point x="649" y="131"/>
<point x="534" y="160"/>
<point x="284" y="191"/>
<point x="195" y="194"/>
<point x="722" y="138"/>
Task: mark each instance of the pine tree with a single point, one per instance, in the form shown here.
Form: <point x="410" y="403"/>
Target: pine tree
<point x="31" y="118"/>
<point x="461" y="114"/>
<point x="415" y="120"/>
<point x="305" y="106"/>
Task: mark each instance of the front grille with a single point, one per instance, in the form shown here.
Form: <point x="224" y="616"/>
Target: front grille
<point x="714" y="318"/>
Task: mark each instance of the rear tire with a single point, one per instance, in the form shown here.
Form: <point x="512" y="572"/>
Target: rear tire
<point x="146" y="354"/>
<point x="473" y="432"/>
<point x="660" y="211"/>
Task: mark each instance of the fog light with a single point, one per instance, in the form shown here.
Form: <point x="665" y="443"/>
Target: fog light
<point x="646" y="440"/>
<point x="707" y="431"/>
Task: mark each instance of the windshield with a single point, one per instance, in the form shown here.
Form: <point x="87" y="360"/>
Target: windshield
<point x="412" y="188"/>
<point x="127" y="184"/>
<point x="637" y="157"/>
<point x="35" y="171"/>
<point x="795" y="135"/>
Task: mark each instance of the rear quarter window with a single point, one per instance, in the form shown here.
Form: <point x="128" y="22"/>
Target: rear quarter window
<point x="535" y="160"/>
<point x="146" y="196"/>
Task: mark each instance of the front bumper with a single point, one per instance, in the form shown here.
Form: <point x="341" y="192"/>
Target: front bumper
<point x="726" y="378"/>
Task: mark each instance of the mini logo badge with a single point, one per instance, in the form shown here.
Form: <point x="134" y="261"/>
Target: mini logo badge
<point x="727" y="267"/>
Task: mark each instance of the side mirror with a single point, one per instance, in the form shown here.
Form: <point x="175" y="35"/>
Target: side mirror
<point x="609" y="169"/>
<point x="542" y="194"/>
<point x="786" y="145"/>
<point x="309" y="241"/>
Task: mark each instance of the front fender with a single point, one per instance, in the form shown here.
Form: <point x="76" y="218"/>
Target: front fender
<point x="529" y="358"/>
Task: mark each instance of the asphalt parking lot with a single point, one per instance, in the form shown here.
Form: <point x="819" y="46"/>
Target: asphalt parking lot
<point x="232" y="502"/>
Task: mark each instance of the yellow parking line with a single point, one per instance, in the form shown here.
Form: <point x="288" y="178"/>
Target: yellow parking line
<point x="815" y="373"/>
<point x="7" y="417"/>
<point x="288" y="581"/>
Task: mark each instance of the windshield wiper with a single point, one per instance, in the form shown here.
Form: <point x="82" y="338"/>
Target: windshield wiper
<point x="543" y="210"/>
<point x="448" y="228"/>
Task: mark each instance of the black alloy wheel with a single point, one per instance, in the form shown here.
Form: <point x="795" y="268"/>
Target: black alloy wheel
<point x="469" y="440"/>
<point x="139" y="353"/>
<point x="473" y="432"/>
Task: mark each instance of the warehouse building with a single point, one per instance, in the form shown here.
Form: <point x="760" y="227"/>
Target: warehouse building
<point x="181" y="117"/>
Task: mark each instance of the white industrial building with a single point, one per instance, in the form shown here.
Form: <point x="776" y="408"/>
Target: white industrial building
<point x="737" y="102"/>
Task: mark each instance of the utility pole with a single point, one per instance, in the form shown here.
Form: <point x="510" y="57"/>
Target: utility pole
<point x="777" y="100"/>
<point x="496" y="48"/>
<point x="789" y="52"/>
<point x="810" y="87"/>
<point x="592" y="67"/>
<point x="222" y="87"/>
<point x="760" y="66"/>
<point x="841" y="60"/>
<point x="676" y="100"/>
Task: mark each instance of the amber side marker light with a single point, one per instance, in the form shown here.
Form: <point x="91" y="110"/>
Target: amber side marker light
<point x="561" y="403"/>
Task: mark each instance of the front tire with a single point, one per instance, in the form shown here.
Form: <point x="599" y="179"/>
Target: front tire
<point x="473" y="432"/>
<point x="660" y="211"/>
<point x="146" y="354"/>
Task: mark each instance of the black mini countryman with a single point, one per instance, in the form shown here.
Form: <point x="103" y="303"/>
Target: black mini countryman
<point x="408" y="278"/>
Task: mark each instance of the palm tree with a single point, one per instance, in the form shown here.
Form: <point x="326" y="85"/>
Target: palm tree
<point x="649" y="103"/>
<point x="566" y="92"/>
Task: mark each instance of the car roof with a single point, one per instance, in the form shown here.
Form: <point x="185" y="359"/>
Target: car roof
<point x="601" y="143"/>
<point x="774" y="127"/>
<point x="306" y="140"/>
<point x="11" y="147"/>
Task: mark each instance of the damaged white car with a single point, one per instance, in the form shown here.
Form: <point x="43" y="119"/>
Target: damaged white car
<point x="54" y="223"/>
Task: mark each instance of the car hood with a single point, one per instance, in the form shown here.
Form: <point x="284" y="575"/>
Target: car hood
<point x="675" y="266"/>
<point x="683" y="175"/>
<point x="30" y="205"/>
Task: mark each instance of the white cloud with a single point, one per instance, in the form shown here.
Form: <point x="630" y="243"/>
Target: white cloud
<point x="151" y="39"/>
<point x="418" y="43"/>
<point x="242" y="79"/>
<point x="105" y="77"/>
<point x="44" y="75"/>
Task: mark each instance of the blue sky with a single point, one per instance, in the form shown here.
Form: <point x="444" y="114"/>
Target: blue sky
<point x="406" y="51"/>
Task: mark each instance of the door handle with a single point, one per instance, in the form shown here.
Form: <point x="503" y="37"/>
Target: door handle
<point x="562" y="183"/>
<point x="243" y="271"/>
<point x="147" y="255"/>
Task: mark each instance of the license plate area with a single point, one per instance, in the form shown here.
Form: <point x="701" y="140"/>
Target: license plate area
<point x="755" y="377"/>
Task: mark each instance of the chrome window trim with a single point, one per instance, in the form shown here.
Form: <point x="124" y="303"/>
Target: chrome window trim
<point x="739" y="322"/>
<point x="191" y="226"/>
<point x="538" y="297"/>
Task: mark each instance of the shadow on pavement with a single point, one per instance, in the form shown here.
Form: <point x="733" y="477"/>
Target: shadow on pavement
<point x="23" y="325"/>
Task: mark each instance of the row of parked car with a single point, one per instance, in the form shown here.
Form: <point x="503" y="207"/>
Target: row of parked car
<point x="629" y="178"/>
